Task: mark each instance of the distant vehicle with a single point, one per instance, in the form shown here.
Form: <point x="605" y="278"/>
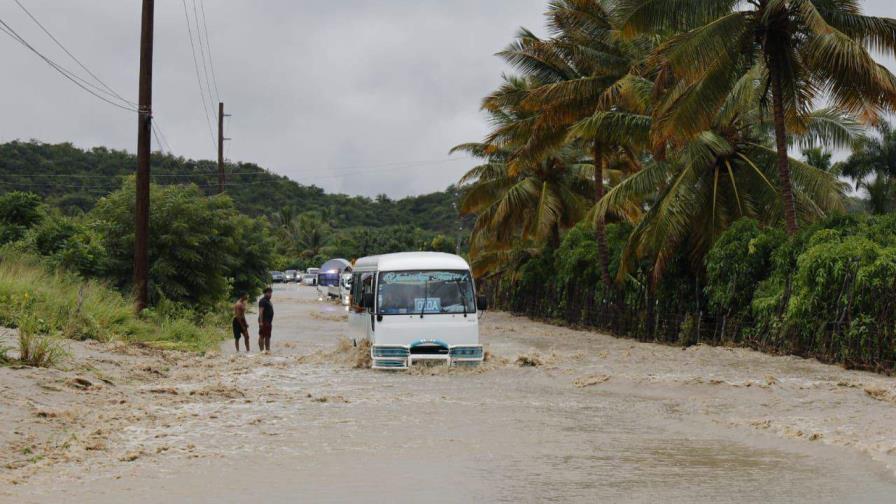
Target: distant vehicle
<point x="345" y="289"/>
<point x="309" y="279"/>
<point x="417" y="306"/>
<point x="292" y="275"/>
<point x="329" y="278"/>
<point x="277" y="277"/>
<point x="312" y="271"/>
<point x="342" y="290"/>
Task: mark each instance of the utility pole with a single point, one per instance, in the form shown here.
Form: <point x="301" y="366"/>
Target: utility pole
<point x="221" y="139"/>
<point x="144" y="132"/>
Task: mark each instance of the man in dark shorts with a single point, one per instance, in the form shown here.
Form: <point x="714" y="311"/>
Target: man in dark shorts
<point x="240" y="325"/>
<point x="265" y="321"/>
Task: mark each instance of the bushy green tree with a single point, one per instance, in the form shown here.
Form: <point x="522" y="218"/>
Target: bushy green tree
<point x="441" y="243"/>
<point x="200" y="248"/>
<point x="19" y="211"/>
<point x="739" y="260"/>
<point x="71" y="244"/>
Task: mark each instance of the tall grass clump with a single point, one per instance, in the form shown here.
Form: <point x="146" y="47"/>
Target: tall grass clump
<point x="38" y="350"/>
<point x="5" y="358"/>
<point x="61" y="304"/>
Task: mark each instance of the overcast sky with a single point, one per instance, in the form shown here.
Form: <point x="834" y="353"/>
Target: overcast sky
<point x="344" y="94"/>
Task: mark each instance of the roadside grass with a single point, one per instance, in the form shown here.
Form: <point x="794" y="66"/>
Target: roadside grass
<point x="38" y="350"/>
<point x="5" y="359"/>
<point x="48" y="305"/>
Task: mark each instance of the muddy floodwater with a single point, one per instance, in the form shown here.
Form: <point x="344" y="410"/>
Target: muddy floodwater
<point x="555" y="415"/>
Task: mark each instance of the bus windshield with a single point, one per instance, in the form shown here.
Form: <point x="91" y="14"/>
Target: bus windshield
<point x="425" y="292"/>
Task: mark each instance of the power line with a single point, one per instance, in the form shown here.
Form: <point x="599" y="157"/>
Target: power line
<point x="155" y="133"/>
<point x="78" y="80"/>
<point x="68" y="74"/>
<point x="210" y="176"/>
<point x="208" y="86"/>
<point x="162" y="134"/>
<point x="198" y="77"/>
<point x="208" y="47"/>
<point x="156" y="128"/>
<point x="354" y="171"/>
<point x="72" y="56"/>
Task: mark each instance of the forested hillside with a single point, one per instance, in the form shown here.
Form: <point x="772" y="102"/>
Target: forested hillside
<point x="73" y="180"/>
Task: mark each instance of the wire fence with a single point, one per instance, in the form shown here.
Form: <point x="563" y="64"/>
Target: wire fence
<point x="852" y="343"/>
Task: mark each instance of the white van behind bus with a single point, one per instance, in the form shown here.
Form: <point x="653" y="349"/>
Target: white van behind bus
<point x="416" y="306"/>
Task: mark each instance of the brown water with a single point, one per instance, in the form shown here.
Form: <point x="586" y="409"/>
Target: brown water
<point x="601" y="419"/>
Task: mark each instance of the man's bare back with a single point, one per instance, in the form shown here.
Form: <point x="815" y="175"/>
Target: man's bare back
<point x="240" y="325"/>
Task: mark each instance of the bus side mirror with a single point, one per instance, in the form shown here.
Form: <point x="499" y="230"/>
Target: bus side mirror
<point x="367" y="300"/>
<point x="481" y="303"/>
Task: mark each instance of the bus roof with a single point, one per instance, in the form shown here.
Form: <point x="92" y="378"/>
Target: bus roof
<point x="412" y="261"/>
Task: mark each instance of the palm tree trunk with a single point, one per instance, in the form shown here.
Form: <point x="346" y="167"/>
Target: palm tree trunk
<point x="783" y="159"/>
<point x="650" y="322"/>
<point x="600" y="231"/>
<point x="555" y="236"/>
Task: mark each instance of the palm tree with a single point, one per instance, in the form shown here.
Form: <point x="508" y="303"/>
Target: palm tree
<point x="872" y="167"/>
<point x="284" y="217"/>
<point x="531" y="203"/>
<point x="722" y="174"/>
<point x="584" y="68"/>
<point x="799" y="50"/>
<point x="819" y="158"/>
<point x="309" y="234"/>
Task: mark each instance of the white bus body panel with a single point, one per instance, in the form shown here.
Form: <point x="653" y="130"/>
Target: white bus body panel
<point x="453" y="329"/>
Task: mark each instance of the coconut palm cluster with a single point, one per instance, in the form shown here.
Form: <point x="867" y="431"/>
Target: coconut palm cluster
<point x="676" y="117"/>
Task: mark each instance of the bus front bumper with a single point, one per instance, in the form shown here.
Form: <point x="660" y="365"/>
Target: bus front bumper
<point x="402" y="357"/>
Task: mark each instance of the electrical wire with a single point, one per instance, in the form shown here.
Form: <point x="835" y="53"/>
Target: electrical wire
<point x="354" y="170"/>
<point x="208" y="47"/>
<point x="68" y="74"/>
<point x="73" y="57"/>
<point x="156" y="128"/>
<point x="167" y="145"/>
<point x="198" y="77"/>
<point x="155" y="133"/>
<point x="208" y="86"/>
<point x="78" y="80"/>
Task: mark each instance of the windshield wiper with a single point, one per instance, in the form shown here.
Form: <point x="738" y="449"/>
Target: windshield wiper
<point x="463" y="296"/>
<point x="425" y="298"/>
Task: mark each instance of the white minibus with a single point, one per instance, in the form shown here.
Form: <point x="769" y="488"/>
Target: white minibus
<point x="416" y="306"/>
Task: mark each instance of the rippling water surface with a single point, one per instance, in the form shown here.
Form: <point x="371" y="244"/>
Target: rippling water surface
<point x="602" y="420"/>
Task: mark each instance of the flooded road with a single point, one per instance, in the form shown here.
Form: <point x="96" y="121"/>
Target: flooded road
<point x="595" y="419"/>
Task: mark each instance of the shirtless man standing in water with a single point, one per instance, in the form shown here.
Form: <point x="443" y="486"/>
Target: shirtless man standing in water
<point x="240" y="326"/>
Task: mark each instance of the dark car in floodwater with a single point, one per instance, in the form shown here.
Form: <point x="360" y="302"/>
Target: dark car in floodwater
<point x="277" y="277"/>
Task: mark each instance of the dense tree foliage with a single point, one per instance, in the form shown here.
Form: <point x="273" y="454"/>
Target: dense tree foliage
<point x="825" y="292"/>
<point x="74" y="179"/>
<point x="19" y="211"/>
<point x="681" y="117"/>
<point x="203" y="250"/>
<point x="872" y="167"/>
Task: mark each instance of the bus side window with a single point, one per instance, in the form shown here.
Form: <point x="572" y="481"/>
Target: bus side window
<point x="367" y="287"/>
<point x="356" y="289"/>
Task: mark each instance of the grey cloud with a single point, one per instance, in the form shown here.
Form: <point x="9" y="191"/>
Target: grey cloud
<point x="315" y="87"/>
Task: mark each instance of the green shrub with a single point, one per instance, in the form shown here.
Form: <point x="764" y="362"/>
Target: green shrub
<point x="61" y="304"/>
<point x="70" y="244"/>
<point x="19" y="212"/>
<point x="739" y="260"/>
<point x="5" y="359"/>
<point x="201" y="247"/>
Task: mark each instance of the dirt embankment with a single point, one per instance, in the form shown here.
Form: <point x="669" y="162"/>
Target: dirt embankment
<point x="77" y="413"/>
